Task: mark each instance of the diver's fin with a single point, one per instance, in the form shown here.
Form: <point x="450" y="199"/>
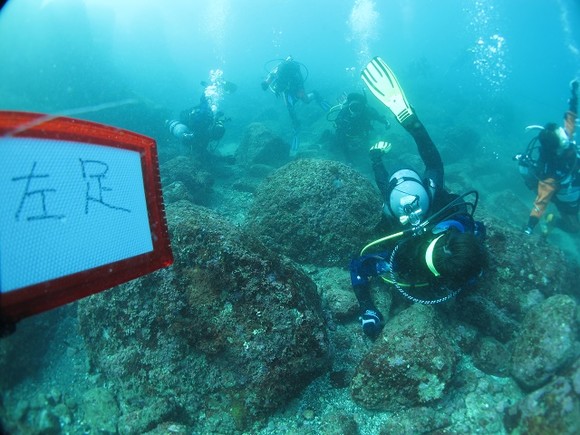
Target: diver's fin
<point x="383" y="84"/>
<point x="325" y="105"/>
<point x="230" y="87"/>
<point x="294" y="145"/>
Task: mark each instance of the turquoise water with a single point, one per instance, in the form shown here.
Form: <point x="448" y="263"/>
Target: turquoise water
<point x="490" y="67"/>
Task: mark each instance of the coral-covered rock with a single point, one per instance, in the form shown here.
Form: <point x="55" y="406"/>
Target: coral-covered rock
<point x="260" y="146"/>
<point x="409" y="365"/>
<point x="101" y="411"/>
<point x="339" y="423"/>
<point x="491" y="357"/>
<point x="316" y="211"/>
<point x="548" y="340"/>
<point x="523" y="271"/>
<point x="230" y="330"/>
<point x="337" y="295"/>
<point x="465" y="336"/>
<point x="176" y="191"/>
<point x="552" y="409"/>
<point x="197" y="181"/>
<point x="420" y="420"/>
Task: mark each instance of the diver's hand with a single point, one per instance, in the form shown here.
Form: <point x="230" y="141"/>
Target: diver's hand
<point x="574" y="86"/>
<point x="378" y="149"/>
<point x="372" y="323"/>
<point x="264" y="85"/>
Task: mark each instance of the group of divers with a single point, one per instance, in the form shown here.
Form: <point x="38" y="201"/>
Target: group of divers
<point x="435" y="247"/>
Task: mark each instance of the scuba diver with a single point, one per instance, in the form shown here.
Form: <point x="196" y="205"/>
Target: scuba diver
<point x="353" y="122"/>
<point x="551" y="168"/>
<point x="286" y="80"/>
<point x="437" y="249"/>
<point x="199" y="126"/>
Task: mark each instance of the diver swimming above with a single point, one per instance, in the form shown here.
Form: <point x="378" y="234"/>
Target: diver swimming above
<point x="286" y="80"/>
<point x="436" y="248"/>
<point x="199" y="126"/>
<point x="353" y="120"/>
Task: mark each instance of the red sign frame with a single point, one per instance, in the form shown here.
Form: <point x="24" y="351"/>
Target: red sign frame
<point x="23" y="302"/>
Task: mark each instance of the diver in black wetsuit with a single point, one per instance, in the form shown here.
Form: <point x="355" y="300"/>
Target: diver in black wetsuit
<point x="438" y="248"/>
<point x="354" y="122"/>
<point x="198" y="127"/>
<point x="286" y="80"/>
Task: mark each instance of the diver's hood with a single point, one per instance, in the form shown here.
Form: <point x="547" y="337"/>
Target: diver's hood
<point x="407" y="199"/>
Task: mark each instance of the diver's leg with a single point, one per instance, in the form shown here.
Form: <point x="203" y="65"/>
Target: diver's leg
<point x="290" y="106"/>
<point x="567" y="203"/>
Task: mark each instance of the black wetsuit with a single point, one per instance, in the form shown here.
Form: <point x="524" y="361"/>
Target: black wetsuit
<point x="202" y="122"/>
<point x="355" y="127"/>
<point x="410" y="264"/>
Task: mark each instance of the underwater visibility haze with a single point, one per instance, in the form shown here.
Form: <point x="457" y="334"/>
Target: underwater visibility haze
<point x="255" y="327"/>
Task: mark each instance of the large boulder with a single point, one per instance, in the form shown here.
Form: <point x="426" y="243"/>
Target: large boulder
<point x="222" y="338"/>
<point x="316" y="211"/>
<point x="409" y="365"/>
<point x="551" y="409"/>
<point x="523" y="272"/>
<point x="548" y="340"/>
<point x="182" y="178"/>
<point x="261" y="146"/>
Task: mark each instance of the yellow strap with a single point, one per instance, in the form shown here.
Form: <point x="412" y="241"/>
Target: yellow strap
<point x="384" y="239"/>
<point x="429" y="255"/>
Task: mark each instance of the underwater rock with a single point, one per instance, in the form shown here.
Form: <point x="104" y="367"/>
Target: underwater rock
<point x="420" y="420"/>
<point x="100" y="411"/>
<point x="141" y="419"/>
<point x="465" y="336"/>
<point x="409" y="364"/>
<point x="523" y="271"/>
<point x="176" y="191"/>
<point x="552" y="409"/>
<point x="260" y="146"/>
<point x="197" y="181"/>
<point x="316" y="211"/>
<point x="339" y="423"/>
<point x="491" y="356"/>
<point x="336" y="291"/>
<point x="231" y="329"/>
<point x="547" y="341"/>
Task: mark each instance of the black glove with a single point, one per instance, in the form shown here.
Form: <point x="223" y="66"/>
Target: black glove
<point x="379" y="149"/>
<point x="372" y="323"/>
<point x="574" y="87"/>
<point x="264" y="85"/>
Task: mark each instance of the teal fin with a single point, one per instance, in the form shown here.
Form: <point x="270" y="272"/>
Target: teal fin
<point x="384" y="85"/>
<point x="295" y="145"/>
<point x="325" y="105"/>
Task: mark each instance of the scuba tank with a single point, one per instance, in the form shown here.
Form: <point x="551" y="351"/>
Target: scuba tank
<point x="177" y="129"/>
<point x="528" y="162"/>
